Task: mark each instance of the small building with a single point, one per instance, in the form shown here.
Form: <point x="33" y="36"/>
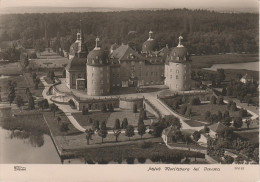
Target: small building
<point x="246" y="79"/>
<point x="169" y="134"/>
<point x="216" y="128"/>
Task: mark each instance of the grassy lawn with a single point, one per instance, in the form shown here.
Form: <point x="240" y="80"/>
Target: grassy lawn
<point x="198" y="111"/>
<point x="252" y="137"/>
<point x="10" y="69"/>
<point x="55" y="127"/>
<point x="192" y="146"/>
<point x="156" y="153"/>
<point x="207" y="61"/>
<point x="110" y="118"/>
<point x="193" y="123"/>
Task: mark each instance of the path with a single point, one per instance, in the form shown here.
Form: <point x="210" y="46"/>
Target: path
<point x="65" y="108"/>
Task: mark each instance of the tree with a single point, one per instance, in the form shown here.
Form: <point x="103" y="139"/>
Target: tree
<point x="238" y="123"/>
<point x="220" y="100"/>
<point x="220" y="76"/>
<point x="141" y="129"/>
<point x="36" y="83"/>
<point x="227" y="121"/>
<point x="58" y="120"/>
<point x="142" y="114"/>
<point x="11" y="85"/>
<point x="224" y="91"/>
<point x="242" y="113"/>
<point x="102" y="132"/>
<point x="196" y="135"/>
<point x="228" y="159"/>
<point x="54" y="108"/>
<point x="156" y="129"/>
<point x="117" y="124"/>
<point x="19" y="101"/>
<point x="170" y="120"/>
<point x="183" y="109"/>
<point x="233" y="107"/>
<point x="213" y="99"/>
<point x="219" y="115"/>
<point x="206" y="129"/>
<point x="124" y="123"/>
<point x="104" y="107"/>
<point x="117" y="132"/>
<point x="207" y="115"/>
<point x="95" y="125"/>
<point x="31" y="103"/>
<point x="226" y="114"/>
<point x="64" y="73"/>
<point x="89" y="133"/>
<point x="248" y="121"/>
<point x="135" y="108"/>
<point x="129" y="132"/>
<point x="64" y="127"/>
<point x="111" y="108"/>
<point x="229" y="104"/>
<point x="195" y="101"/>
<point x="34" y="75"/>
<point x="188" y="112"/>
<point x="45" y="104"/>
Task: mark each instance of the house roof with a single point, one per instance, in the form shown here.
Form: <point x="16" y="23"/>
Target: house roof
<point x="125" y="52"/>
<point x="217" y="127"/>
<point x="77" y="64"/>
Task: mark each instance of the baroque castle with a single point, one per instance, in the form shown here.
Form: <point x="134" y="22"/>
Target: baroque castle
<point x="98" y="71"/>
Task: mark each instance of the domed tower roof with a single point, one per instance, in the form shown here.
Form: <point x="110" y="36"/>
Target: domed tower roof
<point x="78" y="47"/>
<point x="179" y="53"/>
<point x="150" y="44"/>
<point x="113" y="47"/>
<point x="97" y="57"/>
<point x="77" y="64"/>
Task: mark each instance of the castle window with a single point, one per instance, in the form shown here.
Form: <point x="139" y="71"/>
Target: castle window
<point x="93" y="61"/>
<point x="177" y="77"/>
<point x="92" y="74"/>
<point x="177" y="71"/>
<point x="79" y="75"/>
<point x="96" y="57"/>
<point x="176" y="86"/>
<point x="92" y="68"/>
<point x="171" y="76"/>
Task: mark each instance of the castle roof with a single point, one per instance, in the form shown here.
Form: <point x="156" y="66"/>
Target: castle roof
<point x="97" y="57"/>
<point x="77" y="64"/>
<point x="125" y="52"/>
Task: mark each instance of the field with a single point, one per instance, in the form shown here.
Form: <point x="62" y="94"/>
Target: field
<point x="156" y="153"/>
<point x="198" y="111"/>
<point x="110" y="118"/>
<point x="10" y="69"/>
<point x="207" y="61"/>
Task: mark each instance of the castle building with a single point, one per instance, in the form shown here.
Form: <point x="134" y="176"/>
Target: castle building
<point x="98" y="72"/>
<point x="178" y="68"/>
<point x="76" y="69"/>
<point x="124" y="67"/>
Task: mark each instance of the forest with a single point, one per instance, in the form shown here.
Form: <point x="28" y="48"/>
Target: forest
<point x="204" y="32"/>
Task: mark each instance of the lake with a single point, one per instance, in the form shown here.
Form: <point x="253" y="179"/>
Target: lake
<point x="253" y="66"/>
<point x="19" y="147"/>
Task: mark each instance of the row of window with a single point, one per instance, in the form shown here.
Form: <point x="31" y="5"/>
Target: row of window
<point x="101" y="91"/>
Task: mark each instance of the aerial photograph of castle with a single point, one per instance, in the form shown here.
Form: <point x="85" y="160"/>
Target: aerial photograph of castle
<point x="157" y="84"/>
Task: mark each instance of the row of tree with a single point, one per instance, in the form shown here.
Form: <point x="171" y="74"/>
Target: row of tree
<point x="204" y="32"/>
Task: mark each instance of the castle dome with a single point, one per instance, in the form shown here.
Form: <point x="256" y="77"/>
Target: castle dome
<point x="97" y="56"/>
<point x="150" y="45"/>
<point x="179" y="53"/>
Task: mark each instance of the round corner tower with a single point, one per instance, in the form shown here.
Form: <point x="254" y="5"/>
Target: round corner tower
<point x="98" y="72"/>
<point x="178" y="69"/>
